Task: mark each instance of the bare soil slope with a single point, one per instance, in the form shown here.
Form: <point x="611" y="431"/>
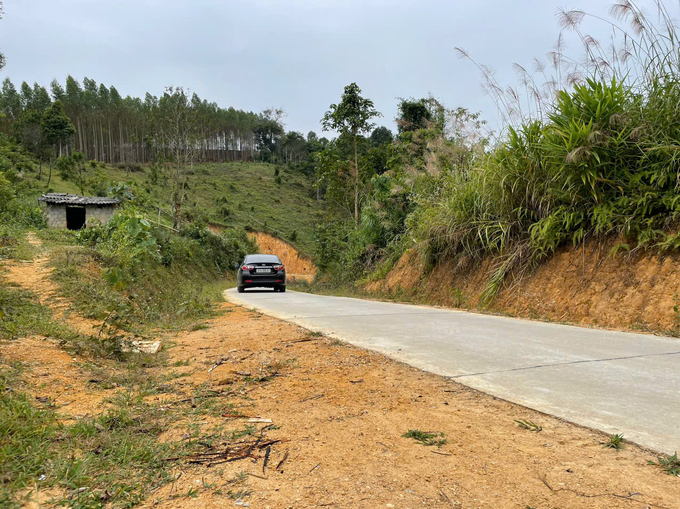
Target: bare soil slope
<point x="297" y="266"/>
<point x="584" y="286"/>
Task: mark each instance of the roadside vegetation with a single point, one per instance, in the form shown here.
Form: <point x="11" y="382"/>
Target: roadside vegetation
<point x="589" y="151"/>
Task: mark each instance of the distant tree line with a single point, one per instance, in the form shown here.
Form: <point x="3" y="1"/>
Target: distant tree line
<point x="116" y="129"/>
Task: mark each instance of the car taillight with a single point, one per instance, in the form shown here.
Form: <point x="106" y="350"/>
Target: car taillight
<point x="279" y="267"/>
<point x="248" y="267"/>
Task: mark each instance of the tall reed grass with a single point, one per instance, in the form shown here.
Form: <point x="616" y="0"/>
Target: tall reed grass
<point x="594" y="150"/>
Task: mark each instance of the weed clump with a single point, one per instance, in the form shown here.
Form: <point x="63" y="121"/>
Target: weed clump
<point x="528" y="425"/>
<point x="614" y="442"/>
<point x="669" y="464"/>
<point x="428" y="438"/>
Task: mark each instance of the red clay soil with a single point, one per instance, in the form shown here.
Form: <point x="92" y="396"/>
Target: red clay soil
<point x="297" y="266"/>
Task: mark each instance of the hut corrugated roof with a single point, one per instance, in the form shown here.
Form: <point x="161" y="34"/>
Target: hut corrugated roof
<point x="74" y="199"/>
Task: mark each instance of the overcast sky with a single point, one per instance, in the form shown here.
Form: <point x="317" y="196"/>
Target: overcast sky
<point x="293" y="54"/>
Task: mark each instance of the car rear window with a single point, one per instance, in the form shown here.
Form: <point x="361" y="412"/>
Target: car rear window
<point x="262" y="259"/>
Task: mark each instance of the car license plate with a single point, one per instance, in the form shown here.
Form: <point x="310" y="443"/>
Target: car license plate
<point x="259" y="271"/>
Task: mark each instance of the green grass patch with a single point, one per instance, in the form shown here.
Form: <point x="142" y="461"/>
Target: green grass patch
<point x="114" y="459"/>
<point x="428" y="438"/>
<point x="13" y="244"/>
<point x="22" y="315"/>
<point x="52" y="237"/>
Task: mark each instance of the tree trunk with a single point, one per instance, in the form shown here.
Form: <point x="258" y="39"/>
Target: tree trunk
<point x="356" y="183"/>
<point x="110" y="151"/>
<point x="102" y="149"/>
<point x="80" y="134"/>
<point x="95" y="144"/>
<point x="121" y="148"/>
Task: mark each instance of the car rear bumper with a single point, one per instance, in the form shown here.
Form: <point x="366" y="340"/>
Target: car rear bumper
<point x="268" y="281"/>
<point x="262" y="285"/>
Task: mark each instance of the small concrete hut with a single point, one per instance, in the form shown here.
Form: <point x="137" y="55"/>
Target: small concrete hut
<point x="75" y="212"/>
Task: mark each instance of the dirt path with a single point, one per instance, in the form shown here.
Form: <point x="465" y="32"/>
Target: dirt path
<point x="34" y="275"/>
<point x="340" y="413"/>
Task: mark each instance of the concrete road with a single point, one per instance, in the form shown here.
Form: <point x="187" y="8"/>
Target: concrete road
<point x="613" y="381"/>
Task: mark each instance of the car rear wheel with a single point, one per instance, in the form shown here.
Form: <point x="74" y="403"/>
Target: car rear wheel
<point x="241" y="289"/>
<point x="281" y="288"/>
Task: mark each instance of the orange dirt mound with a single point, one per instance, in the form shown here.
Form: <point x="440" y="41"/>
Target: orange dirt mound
<point x="297" y="266"/>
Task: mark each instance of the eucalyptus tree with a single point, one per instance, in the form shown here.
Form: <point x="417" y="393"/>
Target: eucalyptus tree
<point x="57" y="129"/>
<point x="73" y="104"/>
<point x="58" y="92"/>
<point x="269" y="131"/>
<point x="2" y="56"/>
<point x="10" y="104"/>
<point x="352" y="117"/>
<point x="178" y="128"/>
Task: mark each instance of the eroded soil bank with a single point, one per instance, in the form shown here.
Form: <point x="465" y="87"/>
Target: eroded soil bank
<point x="297" y="266"/>
<point x="584" y="286"/>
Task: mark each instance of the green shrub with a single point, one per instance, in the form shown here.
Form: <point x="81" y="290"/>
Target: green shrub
<point x="150" y="275"/>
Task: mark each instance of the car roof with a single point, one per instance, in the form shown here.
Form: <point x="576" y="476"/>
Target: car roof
<point x="262" y="258"/>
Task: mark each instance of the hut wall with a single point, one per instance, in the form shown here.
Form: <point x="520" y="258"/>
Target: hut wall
<point x="55" y="215"/>
<point x="101" y="213"/>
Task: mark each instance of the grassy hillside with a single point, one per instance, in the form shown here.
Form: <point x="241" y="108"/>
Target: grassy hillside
<point x="231" y="195"/>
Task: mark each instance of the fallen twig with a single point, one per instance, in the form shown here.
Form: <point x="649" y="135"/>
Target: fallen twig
<point x="258" y="476"/>
<point x="441" y="453"/>
<point x="318" y="396"/>
<point x="598" y="495"/>
<point x="230" y="453"/>
<point x="314" y="468"/>
<point x="305" y="340"/>
<point x="219" y="363"/>
<point x="259" y="420"/>
<point x="213" y="395"/>
<point x="280" y="463"/>
<point x="266" y="458"/>
<point x="444" y="496"/>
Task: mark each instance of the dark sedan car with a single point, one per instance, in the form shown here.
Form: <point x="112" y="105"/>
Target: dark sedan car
<point x="263" y="271"/>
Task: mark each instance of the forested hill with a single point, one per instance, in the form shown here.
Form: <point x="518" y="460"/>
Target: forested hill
<point x="256" y="196"/>
<point x="112" y="129"/>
